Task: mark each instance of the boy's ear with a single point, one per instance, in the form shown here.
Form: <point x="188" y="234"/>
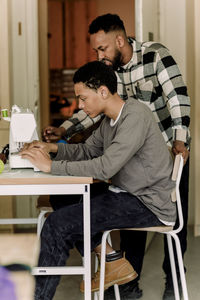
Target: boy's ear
<point x="103" y="90"/>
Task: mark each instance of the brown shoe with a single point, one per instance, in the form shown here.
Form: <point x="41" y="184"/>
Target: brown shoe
<point x="118" y="272"/>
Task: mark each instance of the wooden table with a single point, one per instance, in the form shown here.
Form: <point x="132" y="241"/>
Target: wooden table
<point x="28" y="182"/>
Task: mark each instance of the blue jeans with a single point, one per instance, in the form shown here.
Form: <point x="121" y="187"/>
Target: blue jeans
<point x="63" y="230"/>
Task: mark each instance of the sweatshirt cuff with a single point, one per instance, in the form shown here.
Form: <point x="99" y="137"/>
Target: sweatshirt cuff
<point x="58" y="155"/>
<point x="59" y="167"/>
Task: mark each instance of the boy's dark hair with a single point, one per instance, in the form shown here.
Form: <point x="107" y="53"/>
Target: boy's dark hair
<point x="108" y="22"/>
<point x="95" y="74"/>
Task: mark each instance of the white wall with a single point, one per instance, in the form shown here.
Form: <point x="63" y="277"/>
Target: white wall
<point x="195" y="162"/>
<point x="24" y="68"/>
<point x="24" y="52"/>
<point x="4" y="69"/>
<point x="166" y="19"/>
<point x="150" y="15"/>
<point x="173" y="30"/>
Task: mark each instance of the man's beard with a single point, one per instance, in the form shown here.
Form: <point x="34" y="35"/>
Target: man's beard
<point x="116" y="61"/>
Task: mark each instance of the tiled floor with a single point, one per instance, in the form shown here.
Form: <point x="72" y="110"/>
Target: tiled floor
<point x="152" y="278"/>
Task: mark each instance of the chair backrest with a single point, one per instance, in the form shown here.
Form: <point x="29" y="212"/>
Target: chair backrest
<point x="176" y="176"/>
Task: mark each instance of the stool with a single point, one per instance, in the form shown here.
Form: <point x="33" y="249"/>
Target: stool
<point x="45" y="209"/>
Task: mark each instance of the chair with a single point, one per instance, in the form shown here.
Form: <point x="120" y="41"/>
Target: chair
<point x="45" y="209"/>
<point x="168" y="230"/>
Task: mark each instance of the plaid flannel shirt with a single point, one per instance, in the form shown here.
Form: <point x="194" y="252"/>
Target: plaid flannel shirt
<point x="152" y="77"/>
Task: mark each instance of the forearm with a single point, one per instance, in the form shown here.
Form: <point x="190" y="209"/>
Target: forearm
<point x="77" y="152"/>
<point x="79" y="122"/>
<point x="175" y="94"/>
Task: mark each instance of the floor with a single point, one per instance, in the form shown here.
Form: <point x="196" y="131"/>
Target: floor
<point x="152" y="278"/>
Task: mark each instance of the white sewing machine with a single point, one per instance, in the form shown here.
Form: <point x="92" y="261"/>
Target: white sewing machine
<point x="22" y="130"/>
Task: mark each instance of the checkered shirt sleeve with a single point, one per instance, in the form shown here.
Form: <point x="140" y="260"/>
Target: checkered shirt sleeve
<point x="79" y="122"/>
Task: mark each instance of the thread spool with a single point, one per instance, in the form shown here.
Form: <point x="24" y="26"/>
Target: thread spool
<point x="4" y="113"/>
<point x="1" y="166"/>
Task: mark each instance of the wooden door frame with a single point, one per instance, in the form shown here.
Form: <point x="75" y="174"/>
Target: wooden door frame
<point x="43" y="63"/>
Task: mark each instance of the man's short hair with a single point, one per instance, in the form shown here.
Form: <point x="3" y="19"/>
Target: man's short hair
<point x="108" y="22"/>
<point x="95" y="74"/>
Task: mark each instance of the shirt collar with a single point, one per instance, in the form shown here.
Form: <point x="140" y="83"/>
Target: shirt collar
<point x="113" y="122"/>
<point x="136" y="57"/>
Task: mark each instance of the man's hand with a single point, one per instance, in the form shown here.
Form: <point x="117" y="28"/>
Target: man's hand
<point x="38" y="157"/>
<point x="179" y="147"/>
<point x="53" y="134"/>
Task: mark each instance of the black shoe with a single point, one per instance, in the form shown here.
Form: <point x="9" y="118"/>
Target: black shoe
<point x="128" y="291"/>
<point x="169" y="290"/>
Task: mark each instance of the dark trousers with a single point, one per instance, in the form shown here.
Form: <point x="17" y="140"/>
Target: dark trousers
<point x="63" y="230"/>
<point x="135" y="253"/>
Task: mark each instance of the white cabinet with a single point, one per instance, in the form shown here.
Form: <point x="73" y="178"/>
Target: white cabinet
<point x="24" y="55"/>
<point x="25" y="75"/>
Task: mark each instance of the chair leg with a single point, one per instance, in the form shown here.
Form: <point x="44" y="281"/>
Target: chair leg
<point x="173" y="268"/>
<point x="181" y="266"/>
<point x="106" y="236"/>
<point x="96" y="294"/>
<point x="116" y="290"/>
<point x="116" y="287"/>
<point x="102" y="266"/>
<point x="40" y="222"/>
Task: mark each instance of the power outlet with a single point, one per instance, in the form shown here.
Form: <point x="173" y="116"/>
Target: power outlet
<point x="151" y="37"/>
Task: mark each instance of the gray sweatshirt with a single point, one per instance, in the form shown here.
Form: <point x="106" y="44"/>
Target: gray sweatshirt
<point x="132" y="153"/>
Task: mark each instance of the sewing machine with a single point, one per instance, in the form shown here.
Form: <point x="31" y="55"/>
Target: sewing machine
<point x="22" y="130"/>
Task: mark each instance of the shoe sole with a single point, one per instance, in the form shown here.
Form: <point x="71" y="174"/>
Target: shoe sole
<point x="119" y="281"/>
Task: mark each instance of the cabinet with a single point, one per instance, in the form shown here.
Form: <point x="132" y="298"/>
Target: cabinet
<point x="68" y="49"/>
<point x="19" y="75"/>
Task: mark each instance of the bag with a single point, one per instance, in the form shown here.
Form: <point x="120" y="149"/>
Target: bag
<point x="7" y="287"/>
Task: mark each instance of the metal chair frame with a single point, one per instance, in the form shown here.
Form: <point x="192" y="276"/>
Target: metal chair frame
<point x="168" y="230"/>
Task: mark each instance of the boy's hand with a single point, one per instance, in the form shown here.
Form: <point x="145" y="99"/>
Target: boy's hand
<point x="47" y="147"/>
<point x="38" y="157"/>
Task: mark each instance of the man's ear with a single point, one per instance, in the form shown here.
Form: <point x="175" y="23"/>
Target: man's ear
<point x="103" y="90"/>
<point x="120" y="41"/>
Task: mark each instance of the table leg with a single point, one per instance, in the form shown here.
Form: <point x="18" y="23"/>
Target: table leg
<point x="87" y="242"/>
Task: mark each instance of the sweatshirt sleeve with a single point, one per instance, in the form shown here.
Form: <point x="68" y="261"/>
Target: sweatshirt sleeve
<point x="105" y="164"/>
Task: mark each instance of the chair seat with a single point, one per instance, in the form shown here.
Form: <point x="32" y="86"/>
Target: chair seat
<point x="153" y="229"/>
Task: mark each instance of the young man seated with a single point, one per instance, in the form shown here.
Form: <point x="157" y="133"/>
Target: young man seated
<point x="127" y="148"/>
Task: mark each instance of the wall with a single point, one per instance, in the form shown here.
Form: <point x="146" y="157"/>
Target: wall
<point x="193" y="55"/>
<point x="4" y="69"/>
<point x="24" y="52"/>
<point x="6" y="203"/>
<point x="125" y="9"/>
<point x="160" y="18"/>
<point x="173" y="30"/>
<point x="19" y="76"/>
<point x="150" y="16"/>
